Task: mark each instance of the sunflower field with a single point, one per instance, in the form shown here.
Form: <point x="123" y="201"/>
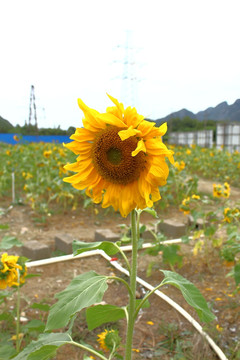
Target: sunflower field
<point x="39" y="171"/>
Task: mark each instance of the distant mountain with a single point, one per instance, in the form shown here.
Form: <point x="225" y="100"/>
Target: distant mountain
<point x="5" y="125"/>
<point x="223" y="111"/>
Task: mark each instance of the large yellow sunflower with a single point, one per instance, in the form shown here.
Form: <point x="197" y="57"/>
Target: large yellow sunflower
<point x="121" y="160"/>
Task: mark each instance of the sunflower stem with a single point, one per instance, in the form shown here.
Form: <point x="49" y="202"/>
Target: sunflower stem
<point x="18" y="316"/>
<point x="132" y="296"/>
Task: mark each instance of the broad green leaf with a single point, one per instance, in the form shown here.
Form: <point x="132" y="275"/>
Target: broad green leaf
<point x="46" y="352"/>
<point x="45" y="347"/>
<point x="34" y="325"/>
<point x="9" y="241"/>
<point x="83" y="291"/>
<point x="100" y="314"/>
<point x="6" y="352"/>
<point x="190" y="293"/>
<point x="237" y="274"/>
<point x="107" y="246"/>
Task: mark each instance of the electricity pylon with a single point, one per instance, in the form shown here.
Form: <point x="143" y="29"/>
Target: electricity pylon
<point x="32" y="107"/>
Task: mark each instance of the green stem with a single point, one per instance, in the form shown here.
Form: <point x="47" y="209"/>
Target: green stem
<point x="18" y="317"/>
<point x="124" y="256"/>
<point x="138" y="225"/>
<point x="123" y="281"/>
<point x="132" y="297"/>
<point x="87" y="349"/>
<point x="145" y="299"/>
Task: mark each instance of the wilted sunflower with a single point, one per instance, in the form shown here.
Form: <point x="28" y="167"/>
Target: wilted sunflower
<point x="121" y="158"/>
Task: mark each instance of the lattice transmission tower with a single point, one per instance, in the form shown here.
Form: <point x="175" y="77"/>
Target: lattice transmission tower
<point x="130" y="77"/>
<point x="32" y="108"/>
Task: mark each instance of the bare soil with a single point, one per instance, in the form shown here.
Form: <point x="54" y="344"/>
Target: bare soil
<point x="209" y="275"/>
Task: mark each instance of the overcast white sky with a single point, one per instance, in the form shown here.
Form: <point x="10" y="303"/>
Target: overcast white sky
<point x="180" y="53"/>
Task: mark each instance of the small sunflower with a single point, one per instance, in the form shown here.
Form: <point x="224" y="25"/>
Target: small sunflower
<point x="109" y="340"/>
<point x="121" y="158"/>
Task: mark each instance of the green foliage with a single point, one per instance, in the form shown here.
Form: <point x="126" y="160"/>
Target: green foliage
<point x="170" y="254"/>
<point x="190" y="293"/>
<point x="7" y="352"/>
<point x="109" y="247"/>
<point x="100" y="314"/>
<point x="28" y="129"/>
<point x="83" y="291"/>
<point x="45" y="347"/>
<point x="9" y="241"/>
<point x="237" y="274"/>
<point x="188" y="124"/>
<point x="5" y="126"/>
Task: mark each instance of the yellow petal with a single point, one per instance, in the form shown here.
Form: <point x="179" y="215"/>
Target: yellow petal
<point x="111" y="119"/>
<point x="119" y="106"/>
<point x="140" y="147"/>
<point x="125" y="134"/>
<point x="163" y="129"/>
<point x="82" y="135"/>
<point x="146" y="127"/>
<point x="131" y="117"/>
<point x="91" y="116"/>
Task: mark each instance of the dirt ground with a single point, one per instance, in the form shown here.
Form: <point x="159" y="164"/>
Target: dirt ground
<point x="211" y="281"/>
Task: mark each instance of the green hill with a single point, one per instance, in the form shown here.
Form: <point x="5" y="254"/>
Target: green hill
<point x="5" y="125"/>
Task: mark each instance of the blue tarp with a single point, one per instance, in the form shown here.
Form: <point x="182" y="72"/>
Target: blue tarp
<point x="8" y="138"/>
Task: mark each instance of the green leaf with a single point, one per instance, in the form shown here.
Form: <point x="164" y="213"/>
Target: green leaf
<point x="34" y="325"/>
<point x="9" y="241"/>
<point x="28" y="276"/>
<point x="43" y="307"/>
<point x="185" y="239"/>
<point x="100" y="314"/>
<point x="7" y="316"/>
<point x="151" y="212"/>
<point x="237" y="274"/>
<point x="190" y="293"/>
<point x="83" y="291"/>
<point x="81" y="246"/>
<point x="45" y="347"/>
<point x="170" y="254"/>
<point x="210" y="231"/>
<point x="45" y="353"/>
<point x="4" y="226"/>
<point x="6" y="352"/>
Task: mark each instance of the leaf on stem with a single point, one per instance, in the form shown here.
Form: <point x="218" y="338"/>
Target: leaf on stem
<point x="80" y="246"/>
<point x="83" y="291"/>
<point x="44" y="348"/>
<point x="100" y="314"/>
<point x="190" y="293"/>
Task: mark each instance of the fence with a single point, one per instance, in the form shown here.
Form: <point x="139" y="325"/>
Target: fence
<point x="9" y="138"/>
<point x="228" y="137"/>
<point x="202" y="138"/>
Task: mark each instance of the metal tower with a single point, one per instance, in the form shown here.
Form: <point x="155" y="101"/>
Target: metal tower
<point x="129" y="78"/>
<point x="32" y="107"/>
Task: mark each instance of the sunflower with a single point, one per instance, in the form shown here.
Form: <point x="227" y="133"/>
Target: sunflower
<point x="121" y="158"/>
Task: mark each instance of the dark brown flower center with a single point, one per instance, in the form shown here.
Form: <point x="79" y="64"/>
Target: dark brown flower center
<point x="112" y="157"/>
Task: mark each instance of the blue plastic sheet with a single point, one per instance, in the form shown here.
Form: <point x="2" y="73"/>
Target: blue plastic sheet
<point x="9" y="138"/>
